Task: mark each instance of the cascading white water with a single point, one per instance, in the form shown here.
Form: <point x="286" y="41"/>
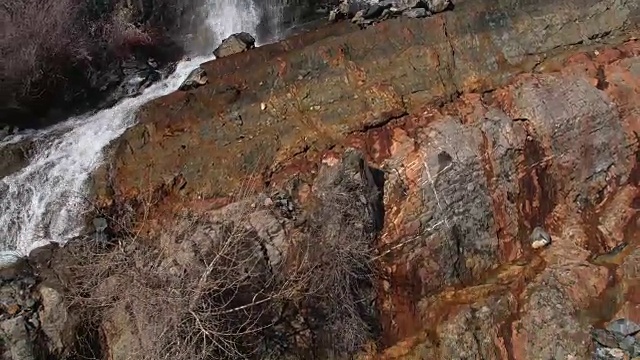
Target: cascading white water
<point x="231" y="16"/>
<point x="44" y="201"/>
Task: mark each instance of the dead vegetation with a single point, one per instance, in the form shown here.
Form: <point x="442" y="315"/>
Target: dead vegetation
<point x="212" y="287"/>
<point x="57" y="52"/>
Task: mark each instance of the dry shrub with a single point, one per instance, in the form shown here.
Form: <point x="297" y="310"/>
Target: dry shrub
<point x="38" y="36"/>
<point x="215" y="286"/>
<point x="342" y="296"/>
<point x="229" y="301"/>
<point x="55" y="51"/>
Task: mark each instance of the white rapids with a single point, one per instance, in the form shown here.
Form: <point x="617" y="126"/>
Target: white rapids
<point x="44" y="201"/>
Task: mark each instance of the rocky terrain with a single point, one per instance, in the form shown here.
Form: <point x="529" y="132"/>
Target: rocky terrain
<point x="478" y="168"/>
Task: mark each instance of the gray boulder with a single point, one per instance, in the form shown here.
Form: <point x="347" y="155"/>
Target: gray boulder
<point x="408" y="4"/>
<point x="18" y="343"/>
<point x="56" y="322"/>
<point x="196" y="78"/>
<point x="236" y="43"/>
<point x="436" y="6"/>
<point x="416" y="13"/>
<point x="623" y="327"/>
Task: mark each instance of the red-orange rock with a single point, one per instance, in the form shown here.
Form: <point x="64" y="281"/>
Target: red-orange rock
<point x="486" y="122"/>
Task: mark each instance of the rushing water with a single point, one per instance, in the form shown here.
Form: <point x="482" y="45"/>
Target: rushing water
<point x="44" y="201"/>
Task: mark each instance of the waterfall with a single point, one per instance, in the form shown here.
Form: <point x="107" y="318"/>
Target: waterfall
<point x="45" y="201"/>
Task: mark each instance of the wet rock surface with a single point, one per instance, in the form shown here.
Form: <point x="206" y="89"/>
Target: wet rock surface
<point x="129" y="80"/>
<point x="14" y="156"/>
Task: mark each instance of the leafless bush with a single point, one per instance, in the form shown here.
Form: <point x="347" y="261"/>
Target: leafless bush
<point x="54" y="51"/>
<point x="341" y="233"/>
<point x="230" y="301"/>
<point x="35" y="31"/>
<point x="213" y="287"/>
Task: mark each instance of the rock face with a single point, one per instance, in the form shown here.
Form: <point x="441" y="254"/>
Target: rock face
<point x="301" y="81"/>
<point x="478" y="141"/>
<point x="34" y="323"/>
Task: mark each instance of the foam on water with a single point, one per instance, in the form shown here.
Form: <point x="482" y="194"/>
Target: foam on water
<point x="44" y="201"/>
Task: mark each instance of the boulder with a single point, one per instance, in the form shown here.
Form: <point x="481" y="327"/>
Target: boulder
<point x="17" y="342"/>
<point x="374" y="11"/>
<point x="436" y="6"/>
<point x="623" y="327"/>
<point x="55" y="320"/>
<point x="408" y="4"/>
<point x="196" y="78"/>
<point x="14" y="156"/>
<point x="134" y="76"/>
<point x="235" y="43"/>
<point x="416" y="13"/>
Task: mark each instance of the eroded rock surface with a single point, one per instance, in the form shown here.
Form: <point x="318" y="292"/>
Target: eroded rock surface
<point x="316" y="88"/>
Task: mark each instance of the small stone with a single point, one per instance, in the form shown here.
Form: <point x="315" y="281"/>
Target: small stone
<point x="539" y="238"/>
<point x="344" y="7"/>
<point x="30" y="303"/>
<point x="100" y="224"/>
<point x="623" y="327"/>
<point x="263" y="106"/>
<point x="617" y="353"/>
<point x="12" y="309"/>
<point x="333" y="15"/>
<point x="416" y="13"/>
<point x="386" y="285"/>
<point x="358" y="17"/>
<point x="387" y="13"/>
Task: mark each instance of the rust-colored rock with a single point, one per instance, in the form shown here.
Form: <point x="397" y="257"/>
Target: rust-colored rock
<point x="310" y="91"/>
<point x="485" y="122"/>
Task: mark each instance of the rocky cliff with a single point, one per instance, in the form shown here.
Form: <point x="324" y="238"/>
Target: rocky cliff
<point x="434" y="147"/>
